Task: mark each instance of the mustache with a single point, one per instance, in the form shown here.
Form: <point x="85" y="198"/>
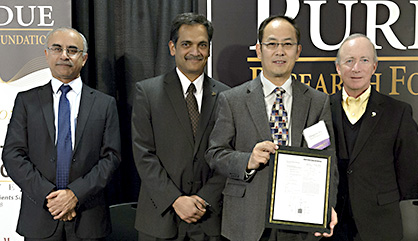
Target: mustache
<point x="64" y="63"/>
<point x="193" y="57"/>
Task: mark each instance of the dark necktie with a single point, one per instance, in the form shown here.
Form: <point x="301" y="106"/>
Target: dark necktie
<point x="64" y="146"/>
<point x="191" y="103"/>
<point x="278" y="120"/>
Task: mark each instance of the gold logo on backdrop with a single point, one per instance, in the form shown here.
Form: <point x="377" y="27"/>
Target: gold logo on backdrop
<point x="399" y="74"/>
<point x="28" y="37"/>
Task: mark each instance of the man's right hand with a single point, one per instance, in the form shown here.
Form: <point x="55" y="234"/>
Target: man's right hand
<point x="189" y="208"/>
<point x="60" y="203"/>
<point x="261" y="154"/>
<point x="69" y="216"/>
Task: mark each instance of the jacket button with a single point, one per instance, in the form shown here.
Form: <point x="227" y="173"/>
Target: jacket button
<point x="349" y="171"/>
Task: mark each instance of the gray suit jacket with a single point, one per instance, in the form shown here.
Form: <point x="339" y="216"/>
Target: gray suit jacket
<point x="169" y="162"/>
<point x="29" y="156"/>
<point x="243" y="122"/>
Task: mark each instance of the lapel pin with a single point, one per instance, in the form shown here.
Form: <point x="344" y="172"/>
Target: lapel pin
<point x="213" y="93"/>
<point x="374" y="114"/>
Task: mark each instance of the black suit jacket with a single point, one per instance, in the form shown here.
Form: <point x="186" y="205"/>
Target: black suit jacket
<point x="382" y="167"/>
<point x="169" y="162"/>
<point x="29" y="156"/>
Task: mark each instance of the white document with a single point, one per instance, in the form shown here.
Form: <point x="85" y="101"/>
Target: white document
<point x="317" y="136"/>
<point x="300" y="190"/>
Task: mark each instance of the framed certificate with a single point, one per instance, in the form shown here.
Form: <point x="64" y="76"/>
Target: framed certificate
<point x="299" y="190"/>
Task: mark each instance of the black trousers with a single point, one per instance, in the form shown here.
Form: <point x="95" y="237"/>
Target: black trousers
<point x="186" y="232"/>
<point x="65" y="232"/>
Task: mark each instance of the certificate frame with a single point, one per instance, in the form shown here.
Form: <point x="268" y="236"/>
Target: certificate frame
<point x="289" y="203"/>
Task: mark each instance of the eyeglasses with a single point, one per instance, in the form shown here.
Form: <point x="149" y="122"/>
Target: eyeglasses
<point x="71" y="52"/>
<point x="274" y="45"/>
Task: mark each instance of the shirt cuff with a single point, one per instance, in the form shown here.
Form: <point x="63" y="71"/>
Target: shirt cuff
<point x="248" y="175"/>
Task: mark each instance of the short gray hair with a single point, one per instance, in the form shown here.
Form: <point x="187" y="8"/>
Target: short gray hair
<point x="354" y="36"/>
<point x="63" y="29"/>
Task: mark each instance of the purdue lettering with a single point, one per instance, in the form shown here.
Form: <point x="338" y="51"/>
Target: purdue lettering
<point x="293" y="8"/>
<point x="44" y="13"/>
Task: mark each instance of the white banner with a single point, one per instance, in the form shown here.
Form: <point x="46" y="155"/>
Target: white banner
<point x="23" y="28"/>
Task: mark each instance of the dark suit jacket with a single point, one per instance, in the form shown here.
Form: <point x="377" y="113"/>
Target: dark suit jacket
<point x="169" y="163"/>
<point x="382" y="169"/>
<point x="242" y="123"/>
<point x="29" y="156"/>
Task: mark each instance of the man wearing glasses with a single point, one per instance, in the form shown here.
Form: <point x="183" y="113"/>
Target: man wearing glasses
<point x="246" y="133"/>
<point x="62" y="147"/>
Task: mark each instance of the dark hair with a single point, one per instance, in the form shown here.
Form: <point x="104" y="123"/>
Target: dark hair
<point x="271" y="18"/>
<point x="189" y="19"/>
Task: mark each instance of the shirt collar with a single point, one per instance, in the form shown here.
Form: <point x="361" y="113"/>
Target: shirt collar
<point x="361" y="99"/>
<point x="268" y="86"/>
<point x="76" y="85"/>
<point x="185" y="82"/>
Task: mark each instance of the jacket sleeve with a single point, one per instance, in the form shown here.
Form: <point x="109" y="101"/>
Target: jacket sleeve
<point x="406" y="158"/>
<point x="153" y="175"/>
<point x="16" y="158"/>
<point x="221" y="154"/>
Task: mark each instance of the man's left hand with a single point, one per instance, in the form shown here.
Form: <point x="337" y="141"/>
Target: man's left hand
<point x="334" y="221"/>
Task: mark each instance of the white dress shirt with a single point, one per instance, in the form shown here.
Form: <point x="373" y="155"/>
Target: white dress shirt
<point x="198" y="83"/>
<point x="73" y="96"/>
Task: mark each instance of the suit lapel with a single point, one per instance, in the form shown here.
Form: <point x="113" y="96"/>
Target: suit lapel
<point x="257" y="108"/>
<point x="86" y="103"/>
<point x="337" y="117"/>
<point x="45" y="97"/>
<point x="371" y="118"/>
<point x="300" y="109"/>
<point x="208" y="103"/>
<point x="174" y="92"/>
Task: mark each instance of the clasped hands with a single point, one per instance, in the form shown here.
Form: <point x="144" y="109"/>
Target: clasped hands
<point x="190" y="208"/>
<point x="61" y="204"/>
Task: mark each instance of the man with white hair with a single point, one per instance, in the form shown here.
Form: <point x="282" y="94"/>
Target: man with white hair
<point x="376" y="141"/>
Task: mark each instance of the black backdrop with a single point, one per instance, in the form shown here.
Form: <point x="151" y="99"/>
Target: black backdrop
<point x="128" y="42"/>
